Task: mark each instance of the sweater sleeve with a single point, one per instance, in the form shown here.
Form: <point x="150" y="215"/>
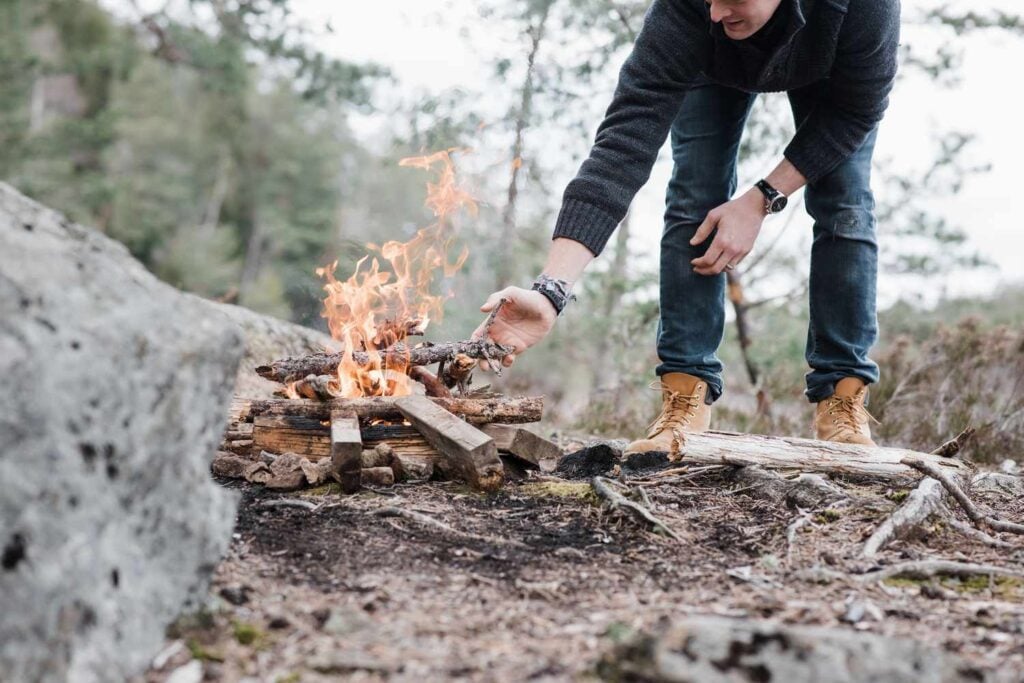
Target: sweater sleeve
<point x="648" y="96"/>
<point x="862" y="76"/>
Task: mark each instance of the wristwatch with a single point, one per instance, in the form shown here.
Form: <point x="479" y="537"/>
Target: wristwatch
<point x="774" y="201"/>
<point x="558" y="292"/>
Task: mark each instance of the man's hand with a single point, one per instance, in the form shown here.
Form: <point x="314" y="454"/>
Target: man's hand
<point x="524" y="319"/>
<point x="738" y="222"/>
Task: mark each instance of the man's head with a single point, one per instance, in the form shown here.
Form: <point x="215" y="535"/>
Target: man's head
<point x="741" y="19"/>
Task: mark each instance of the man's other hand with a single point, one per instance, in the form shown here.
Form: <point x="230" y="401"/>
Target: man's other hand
<point x="524" y="319"/>
<point x="738" y="223"/>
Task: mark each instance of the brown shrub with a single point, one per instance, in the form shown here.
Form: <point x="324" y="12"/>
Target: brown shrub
<point x="966" y="375"/>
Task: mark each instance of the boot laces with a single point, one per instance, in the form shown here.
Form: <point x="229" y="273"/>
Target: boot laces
<point x="677" y="408"/>
<point x="848" y="412"/>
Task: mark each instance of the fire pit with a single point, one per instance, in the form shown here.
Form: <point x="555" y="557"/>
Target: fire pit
<point x="371" y="403"/>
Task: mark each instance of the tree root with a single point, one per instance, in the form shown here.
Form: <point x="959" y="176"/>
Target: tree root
<point x="926" y="569"/>
<point x="979" y="518"/>
<point x="603" y="488"/>
<point x="806" y="491"/>
<point x="924" y="501"/>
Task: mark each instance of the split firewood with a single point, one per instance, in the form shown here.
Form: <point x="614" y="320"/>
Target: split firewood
<point x="471" y="452"/>
<point x="229" y="465"/>
<point x="522" y="444"/>
<point x="295" y="434"/>
<point x="377" y="476"/>
<point x="291" y="369"/>
<point x="382" y="455"/>
<point x="346" y="450"/>
<point x="509" y="410"/>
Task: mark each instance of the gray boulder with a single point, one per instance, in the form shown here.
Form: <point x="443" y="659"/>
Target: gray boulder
<point x="719" y="650"/>
<point x="115" y="389"/>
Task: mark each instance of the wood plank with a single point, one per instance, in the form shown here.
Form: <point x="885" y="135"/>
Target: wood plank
<point x="516" y="410"/>
<point x="301" y="435"/>
<point x="346" y="449"/>
<point x="522" y="444"/>
<point x="808" y="455"/>
<point x="471" y="452"/>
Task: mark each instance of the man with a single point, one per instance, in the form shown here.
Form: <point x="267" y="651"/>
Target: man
<point x="694" y="72"/>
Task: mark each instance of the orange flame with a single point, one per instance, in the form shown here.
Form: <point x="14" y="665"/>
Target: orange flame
<point x="376" y="308"/>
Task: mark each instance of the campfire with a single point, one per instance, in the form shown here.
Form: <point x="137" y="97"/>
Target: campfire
<point x="371" y="411"/>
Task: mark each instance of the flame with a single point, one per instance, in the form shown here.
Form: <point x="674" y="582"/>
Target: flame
<point x="378" y="307"/>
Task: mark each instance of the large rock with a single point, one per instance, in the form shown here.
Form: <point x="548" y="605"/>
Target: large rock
<point x="720" y="650"/>
<point x="114" y="392"/>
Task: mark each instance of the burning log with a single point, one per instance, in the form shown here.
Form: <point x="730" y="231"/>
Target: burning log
<point x="471" y="452"/>
<point x="346" y="450"/>
<point x="400" y="355"/>
<point x="457" y="372"/>
<point x="317" y="387"/>
<point x="508" y="410"/>
<point x="430" y="381"/>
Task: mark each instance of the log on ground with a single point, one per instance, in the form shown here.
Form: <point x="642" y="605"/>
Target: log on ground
<point x="809" y="455"/>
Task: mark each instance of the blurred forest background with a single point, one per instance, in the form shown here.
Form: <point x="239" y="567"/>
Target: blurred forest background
<point x="223" y="148"/>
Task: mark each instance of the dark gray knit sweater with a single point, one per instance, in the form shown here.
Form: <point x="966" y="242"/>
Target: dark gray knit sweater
<point x="849" y="46"/>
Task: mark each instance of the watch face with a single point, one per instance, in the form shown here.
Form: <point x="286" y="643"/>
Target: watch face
<point x="779" y="203"/>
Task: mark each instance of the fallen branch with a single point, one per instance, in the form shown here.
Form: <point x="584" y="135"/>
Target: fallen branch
<point x="954" y="445"/>
<point x="925" y="500"/>
<point x="288" y="503"/>
<point x="399" y="355"/>
<point x="922" y="503"/>
<point x="980" y="519"/>
<point x="603" y="488"/>
<point x="926" y="569"/>
<point x="434" y="386"/>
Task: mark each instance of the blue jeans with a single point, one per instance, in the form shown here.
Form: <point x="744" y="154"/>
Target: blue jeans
<point x="844" y="255"/>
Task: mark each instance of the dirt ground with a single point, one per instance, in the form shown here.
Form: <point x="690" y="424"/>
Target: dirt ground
<point x="539" y="581"/>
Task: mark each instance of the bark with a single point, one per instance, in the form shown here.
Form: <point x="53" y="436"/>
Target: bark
<point x="470" y="452"/>
<point x="509" y="410"/>
<point x="807" y="455"/>
<point x="400" y="355"/>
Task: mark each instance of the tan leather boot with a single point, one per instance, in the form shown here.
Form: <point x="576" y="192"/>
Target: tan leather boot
<point x="683" y="409"/>
<point x="842" y="417"/>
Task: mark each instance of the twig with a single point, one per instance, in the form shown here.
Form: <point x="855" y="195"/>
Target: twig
<point x="954" y="445"/>
<point x="926" y="569"/>
<point x="603" y="488"/>
<point x="794" y="527"/>
<point x="972" y="511"/>
<point x="976" y="534"/>
<point x="441" y="526"/>
<point x="288" y="503"/>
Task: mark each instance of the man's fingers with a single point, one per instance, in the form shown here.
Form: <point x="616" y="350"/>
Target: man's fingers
<point x="508" y="360"/>
<point x="704" y="230"/>
<point x="715" y="268"/>
<point x="709" y="257"/>
<point x="492" y="301"/>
